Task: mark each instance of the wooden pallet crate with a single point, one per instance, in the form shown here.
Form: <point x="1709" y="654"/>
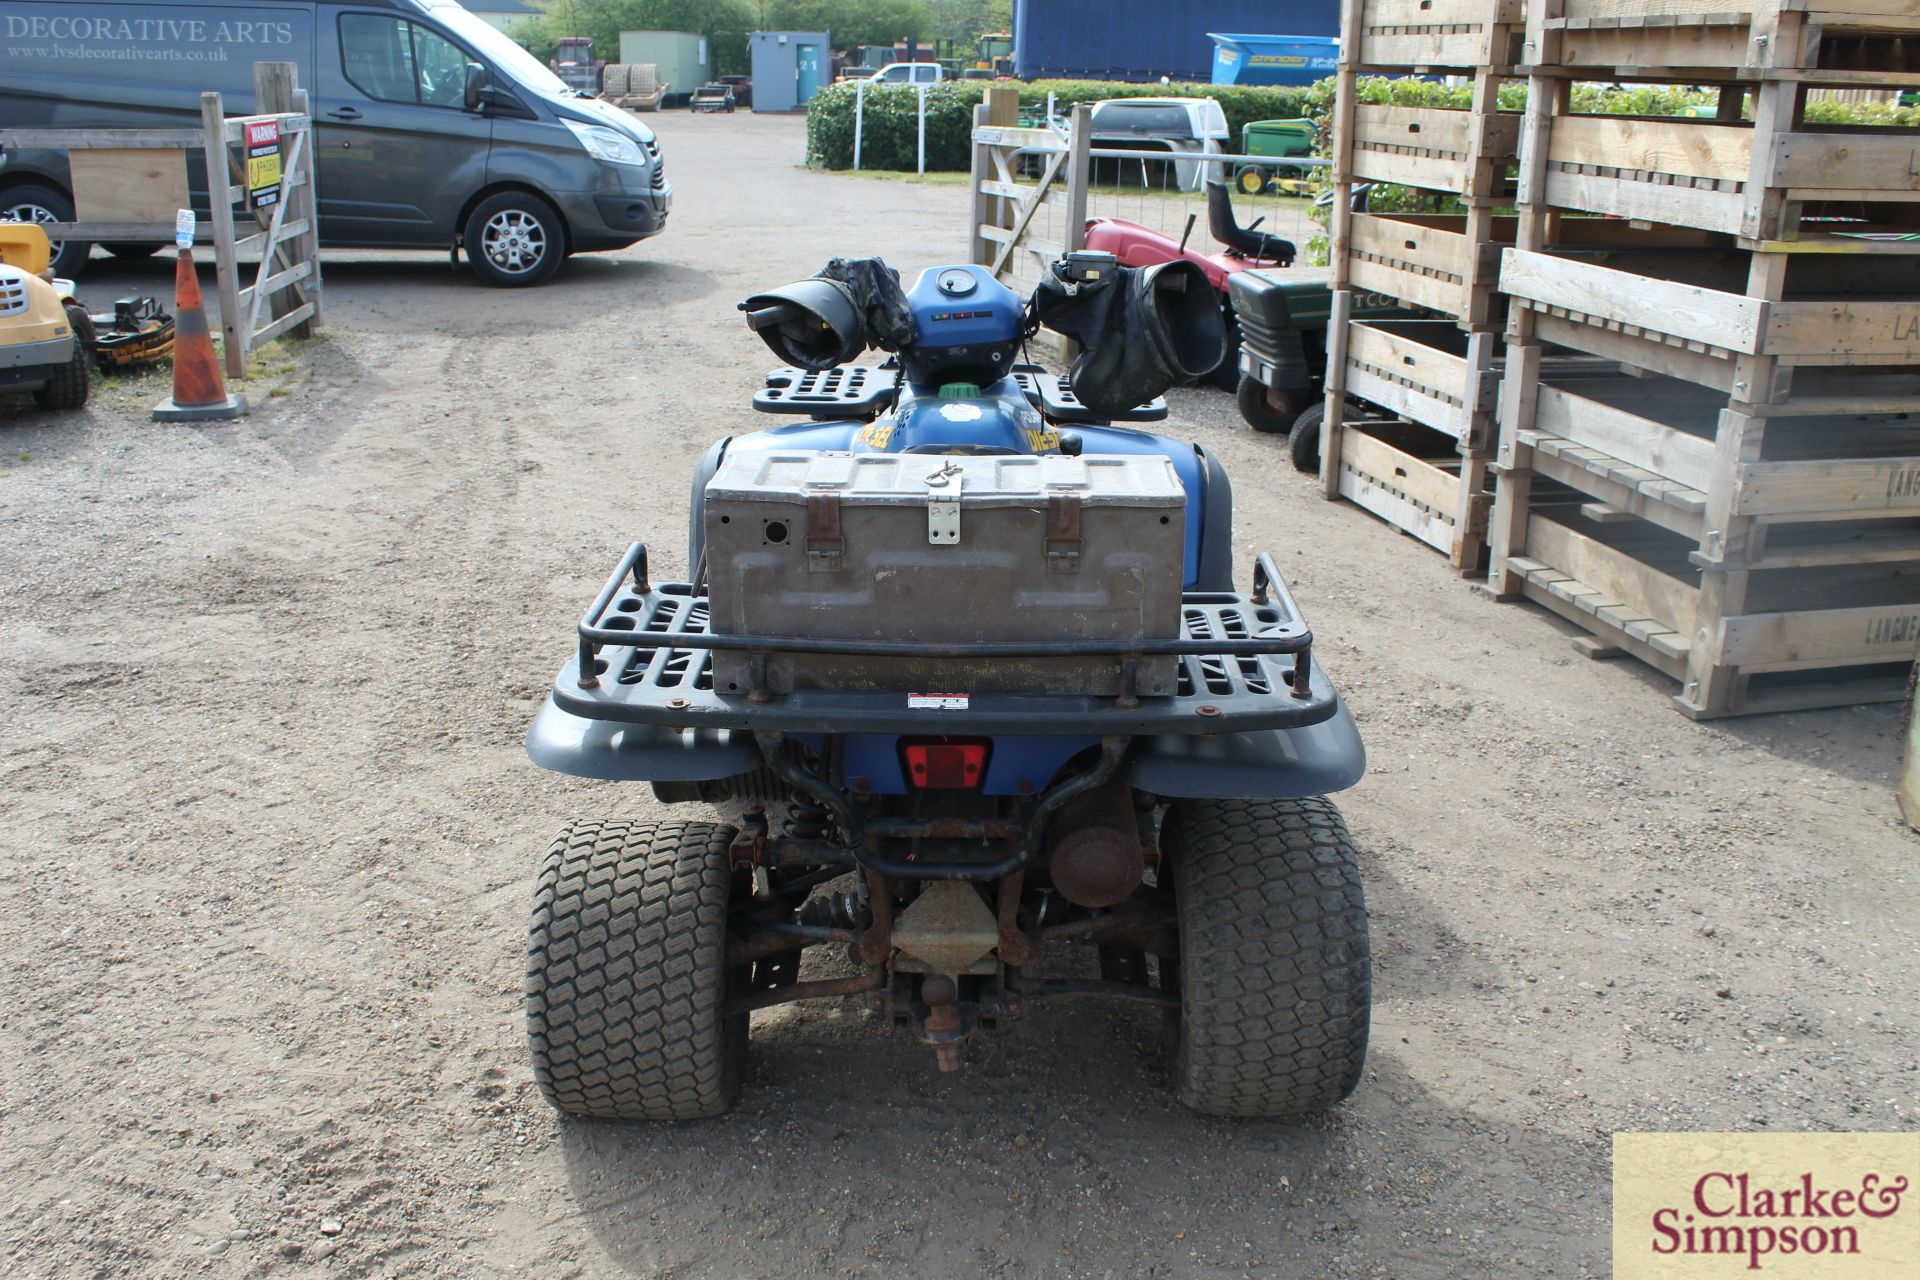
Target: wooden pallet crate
<point x="1464" y="152"/>
<point x="1799" y="637"/>
<point x="1696" y="40"/>
<point x="1424" y="35"/>
<point x="1417" y="480"/>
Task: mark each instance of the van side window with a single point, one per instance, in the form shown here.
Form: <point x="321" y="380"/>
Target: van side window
<point x="392" y="60"/>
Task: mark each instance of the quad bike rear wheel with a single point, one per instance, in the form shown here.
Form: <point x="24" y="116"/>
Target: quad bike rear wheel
<point x="1275" y="972"/>
<point x="626" y="976"/>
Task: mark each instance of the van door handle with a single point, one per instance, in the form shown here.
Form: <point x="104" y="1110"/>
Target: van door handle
<point x="345" y="113"/>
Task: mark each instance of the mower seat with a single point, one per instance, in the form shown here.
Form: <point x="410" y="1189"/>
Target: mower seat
<point x="1240" y="242"/>
<point x="25" y="245"/>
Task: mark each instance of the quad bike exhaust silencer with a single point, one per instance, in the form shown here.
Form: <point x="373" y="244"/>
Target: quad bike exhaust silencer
<point x="1093" y="851"/>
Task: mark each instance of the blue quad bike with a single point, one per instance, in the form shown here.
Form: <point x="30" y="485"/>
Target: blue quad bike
<point x="964" y="680"/>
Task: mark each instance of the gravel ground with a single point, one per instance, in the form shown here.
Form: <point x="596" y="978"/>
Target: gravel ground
<point x="270" y="839"/>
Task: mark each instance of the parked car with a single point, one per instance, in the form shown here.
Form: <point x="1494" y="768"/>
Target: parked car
<point x="432" y="127"/>
<point x="909" y="73"/>
<point x="1179" y="126"/>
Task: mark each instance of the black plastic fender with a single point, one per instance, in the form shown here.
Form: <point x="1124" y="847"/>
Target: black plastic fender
<point x="1216" y="526"/>
<point x="1271" y="764"/>
<point x="697" y="506"/>
<point x="583" y="748"/>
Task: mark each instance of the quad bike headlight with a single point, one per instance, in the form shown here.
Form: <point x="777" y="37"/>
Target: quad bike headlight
<point x="607" y="144"/>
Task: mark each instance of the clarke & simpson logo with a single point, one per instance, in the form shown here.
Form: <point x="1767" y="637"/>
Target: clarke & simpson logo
<point x="1786" y="1205"/>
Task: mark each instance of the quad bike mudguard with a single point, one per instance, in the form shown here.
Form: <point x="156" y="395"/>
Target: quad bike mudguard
<point x="1268" y="764"/>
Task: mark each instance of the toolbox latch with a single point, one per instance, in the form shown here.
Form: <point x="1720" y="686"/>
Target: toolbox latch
<point x="1063" y="532"/>
<point x="825" y="547"/>
<point x="943" y="505"/>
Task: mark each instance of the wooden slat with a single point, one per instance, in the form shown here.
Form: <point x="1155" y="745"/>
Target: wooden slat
<point x="1707" y="316"/>
<point x="299" y="315"/>
<point x="279" y="280"/>
<point x="1855" y="331"/>
<point x="1827" y="637"/>
<point x="1860" y="485"/>
<point x="1641" y="441"/>
<point x="257" y="241"/>
<point x="1421" y="481"/>
<point x="1638" y="586"/>
<point x="1698" y="149"/>
<point x="1622" y="197"/>
<point x="1878" y="161"/>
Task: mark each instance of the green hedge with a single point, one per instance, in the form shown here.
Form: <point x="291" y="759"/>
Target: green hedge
<point x="888" y="137"/>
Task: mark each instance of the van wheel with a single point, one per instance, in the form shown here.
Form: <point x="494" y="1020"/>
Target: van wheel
<point x="44" y="204"/>
<point x="515" y="239"/>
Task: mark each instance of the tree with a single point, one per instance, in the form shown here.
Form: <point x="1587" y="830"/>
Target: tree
<point x="852" y="22"/>
<point x="725" y="24"/>
<point x="965" y="21"/>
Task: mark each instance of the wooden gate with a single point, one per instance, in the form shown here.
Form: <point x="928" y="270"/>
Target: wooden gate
<point x="1004" y="236"/>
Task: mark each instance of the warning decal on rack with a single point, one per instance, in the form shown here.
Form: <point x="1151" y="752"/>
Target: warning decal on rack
<point x="936" y="702"/>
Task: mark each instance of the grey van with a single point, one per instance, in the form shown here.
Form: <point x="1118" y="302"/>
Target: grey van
<point x="433" y="129"/>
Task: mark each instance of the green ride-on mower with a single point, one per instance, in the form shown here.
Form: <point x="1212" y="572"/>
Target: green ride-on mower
<point x="960" y="688"/>
<point x="1282" y="140"/>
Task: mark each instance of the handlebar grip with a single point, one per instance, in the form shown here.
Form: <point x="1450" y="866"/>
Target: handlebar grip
<point x="767" y="317"/>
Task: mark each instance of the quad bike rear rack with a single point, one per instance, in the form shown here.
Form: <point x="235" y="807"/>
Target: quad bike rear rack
<point x="645" y="657"/>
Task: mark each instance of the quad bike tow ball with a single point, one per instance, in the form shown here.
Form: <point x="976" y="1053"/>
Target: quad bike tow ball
<point x="942" y="1028"/>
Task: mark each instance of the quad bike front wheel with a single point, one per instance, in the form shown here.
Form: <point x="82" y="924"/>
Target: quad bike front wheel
<point x="626" y="975"/>
<point x="1275" y="970"/>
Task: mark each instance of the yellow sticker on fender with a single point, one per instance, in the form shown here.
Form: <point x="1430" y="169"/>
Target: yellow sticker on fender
<point x="877" y="435"/>
<point x="1042" y="439"/>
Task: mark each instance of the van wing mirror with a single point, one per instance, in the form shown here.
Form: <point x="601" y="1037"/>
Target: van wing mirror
<point x="476" y="86"/>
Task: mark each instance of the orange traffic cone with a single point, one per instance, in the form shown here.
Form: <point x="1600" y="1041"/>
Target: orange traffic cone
<point x="198" y="393"/>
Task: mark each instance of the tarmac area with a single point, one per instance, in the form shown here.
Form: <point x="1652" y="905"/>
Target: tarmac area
<point x="270" y="840"/>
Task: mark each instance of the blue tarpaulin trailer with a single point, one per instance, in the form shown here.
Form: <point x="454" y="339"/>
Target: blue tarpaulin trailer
<point x="1143" y="40"/>
<point x="1240" y="59"/>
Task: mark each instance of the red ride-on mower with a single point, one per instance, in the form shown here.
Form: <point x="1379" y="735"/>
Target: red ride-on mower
<point x="1246" y="247"/>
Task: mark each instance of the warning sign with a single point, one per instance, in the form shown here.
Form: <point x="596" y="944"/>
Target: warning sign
<point x="263" y="162"/>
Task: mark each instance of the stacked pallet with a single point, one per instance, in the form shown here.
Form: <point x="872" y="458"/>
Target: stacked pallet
<point x="1424" y="468"/>
<point x="1738" y="503"/>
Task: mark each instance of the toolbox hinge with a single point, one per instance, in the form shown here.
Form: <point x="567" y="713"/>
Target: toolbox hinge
<point x="1063" y="532"/>
<point x="826" y="549"/>
<point x="943" y="505"/>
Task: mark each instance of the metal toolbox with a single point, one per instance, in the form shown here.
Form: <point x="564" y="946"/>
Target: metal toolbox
<point x="940" y="550"/>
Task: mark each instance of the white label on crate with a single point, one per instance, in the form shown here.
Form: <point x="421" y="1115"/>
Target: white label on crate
<point x="937" y="702"/>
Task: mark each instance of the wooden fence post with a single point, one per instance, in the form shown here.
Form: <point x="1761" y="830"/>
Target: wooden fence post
<point x="220" y="199"/>
<point x="276" y="92"/>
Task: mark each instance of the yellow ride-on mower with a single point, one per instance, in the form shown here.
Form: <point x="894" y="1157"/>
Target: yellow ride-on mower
<point x="46" y="339"/>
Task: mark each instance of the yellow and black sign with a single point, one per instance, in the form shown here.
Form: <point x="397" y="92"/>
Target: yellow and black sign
<point x="263" y="163"/>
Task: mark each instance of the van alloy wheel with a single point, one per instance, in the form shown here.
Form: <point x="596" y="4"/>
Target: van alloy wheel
<point x="514" y="241"/>
<point x="29" y="212"/>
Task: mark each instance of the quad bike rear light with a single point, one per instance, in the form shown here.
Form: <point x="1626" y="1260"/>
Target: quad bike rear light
<point x="945" y="764"/>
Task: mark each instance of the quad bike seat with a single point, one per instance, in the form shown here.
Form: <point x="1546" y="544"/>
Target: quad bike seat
<point x="1242" y="242"/>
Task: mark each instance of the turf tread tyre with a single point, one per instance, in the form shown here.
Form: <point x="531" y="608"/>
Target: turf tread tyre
<point x="1275" y="969"/>
<point x="1251" y="399"/>
<point x="72" y="382"/>
<point x="626" y="983"/>
<point x="1303" y="440"/>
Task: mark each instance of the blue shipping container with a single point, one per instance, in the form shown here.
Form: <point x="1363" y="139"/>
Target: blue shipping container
<point x="1293" y="60"/>
<point x="1143" y="40"/>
